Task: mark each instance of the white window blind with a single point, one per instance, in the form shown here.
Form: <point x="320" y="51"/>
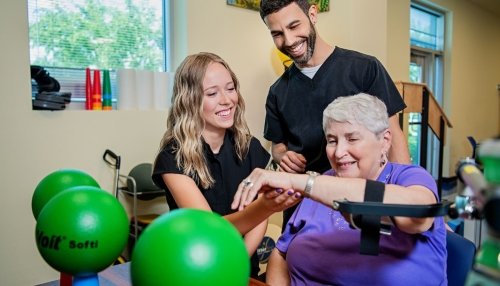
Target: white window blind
<point x="426" y="28"/>
<point x="67" y="36"/>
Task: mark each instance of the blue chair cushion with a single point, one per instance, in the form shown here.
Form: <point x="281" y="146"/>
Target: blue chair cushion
<point x="461" y="253"/>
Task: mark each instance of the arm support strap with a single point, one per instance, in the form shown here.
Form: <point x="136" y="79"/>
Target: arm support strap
<point x="370" y="224"/>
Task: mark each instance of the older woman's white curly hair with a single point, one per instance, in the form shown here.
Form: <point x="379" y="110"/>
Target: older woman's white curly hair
<point x="363" y="109"/>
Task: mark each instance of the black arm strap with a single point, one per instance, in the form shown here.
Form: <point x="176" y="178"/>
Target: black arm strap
<point x="374" y="191"/>
<point x="370" y="224"/>
<point x="366" y="215"/>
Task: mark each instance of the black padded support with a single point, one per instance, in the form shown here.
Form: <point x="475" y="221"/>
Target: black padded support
<point x="374" y="191"/>
<point x="370" y="224"/>
<point x="381" y="209"/>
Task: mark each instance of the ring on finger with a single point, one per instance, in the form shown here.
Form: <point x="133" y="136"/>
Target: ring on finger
<point x="247" y="183"/>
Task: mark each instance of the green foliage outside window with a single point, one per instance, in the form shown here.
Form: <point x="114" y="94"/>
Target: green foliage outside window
<point x="125" y="34"/>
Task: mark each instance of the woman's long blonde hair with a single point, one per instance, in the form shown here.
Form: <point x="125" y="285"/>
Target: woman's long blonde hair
<point x="185" y="122"/>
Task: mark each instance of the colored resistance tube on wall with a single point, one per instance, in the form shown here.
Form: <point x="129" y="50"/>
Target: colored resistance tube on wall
<point x="96" y="94"/>
<point x="88" y="90"/>
<point x="106" y="91"/>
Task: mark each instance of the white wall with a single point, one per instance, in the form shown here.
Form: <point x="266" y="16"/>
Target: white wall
<point x="34" y="143"/>
<point x="472" y="75"/>
<point x="241" y="38"/>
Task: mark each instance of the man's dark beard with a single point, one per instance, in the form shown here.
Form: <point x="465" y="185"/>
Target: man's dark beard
<point x="310" y="41"/>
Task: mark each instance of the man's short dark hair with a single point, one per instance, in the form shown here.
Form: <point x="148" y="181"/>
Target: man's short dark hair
<point x="271" y="6"/>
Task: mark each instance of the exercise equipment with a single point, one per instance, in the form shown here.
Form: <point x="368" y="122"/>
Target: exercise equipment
<point x="366" y="216"/>
<point x="480" y="199"/>
<point x="81" y="231"/>
<point x="48" y="96"/>
<point x="190" y="247"/>
<point x="43" y="79"/>
<point x="55" y="183"/>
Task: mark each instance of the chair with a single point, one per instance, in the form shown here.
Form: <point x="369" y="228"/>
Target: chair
<point x="457" y="225"/>
<point x="141" y="187"/>
<point x="461" y="253"/>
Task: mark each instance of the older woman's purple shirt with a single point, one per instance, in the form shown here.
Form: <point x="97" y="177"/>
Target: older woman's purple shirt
<point x="321" y="248"/>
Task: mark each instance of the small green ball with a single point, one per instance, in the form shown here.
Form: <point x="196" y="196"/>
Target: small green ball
<point x="190" y="247"/>
<point x="82" y="230"/>
<point x="56" y="182"/>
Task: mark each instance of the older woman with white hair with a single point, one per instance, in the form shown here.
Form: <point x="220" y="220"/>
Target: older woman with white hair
<point x="318" y="245"/>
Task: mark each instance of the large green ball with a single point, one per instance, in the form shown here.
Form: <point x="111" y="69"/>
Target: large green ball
<point x="190" y="247"/>
<point x="82" y="230"/>
<point x="56" y="182"/>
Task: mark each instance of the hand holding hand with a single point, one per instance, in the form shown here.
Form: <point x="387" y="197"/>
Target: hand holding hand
<point x="263" y="181"/>
<point x="278" y="199"/>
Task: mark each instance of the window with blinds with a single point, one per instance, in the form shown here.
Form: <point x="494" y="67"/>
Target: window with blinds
<point x="68" y="36"/>
<point x="427" y="40"/>
<point x="426" y="28"/>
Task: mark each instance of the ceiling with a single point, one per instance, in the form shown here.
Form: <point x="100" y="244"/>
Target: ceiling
<point x="490" y="5"/>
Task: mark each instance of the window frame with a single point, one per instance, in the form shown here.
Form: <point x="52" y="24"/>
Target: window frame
<point x="432" y="63"/>
<point x="76" y="84"/>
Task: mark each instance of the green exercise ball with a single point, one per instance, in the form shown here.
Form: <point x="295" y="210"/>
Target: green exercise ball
<point x="82" y="230"/>
<point x="190" y="247"/>
<point x="56" y="182"/>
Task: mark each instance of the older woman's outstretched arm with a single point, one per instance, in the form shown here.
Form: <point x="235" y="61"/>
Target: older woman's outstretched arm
<point x="327" y="189"/>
